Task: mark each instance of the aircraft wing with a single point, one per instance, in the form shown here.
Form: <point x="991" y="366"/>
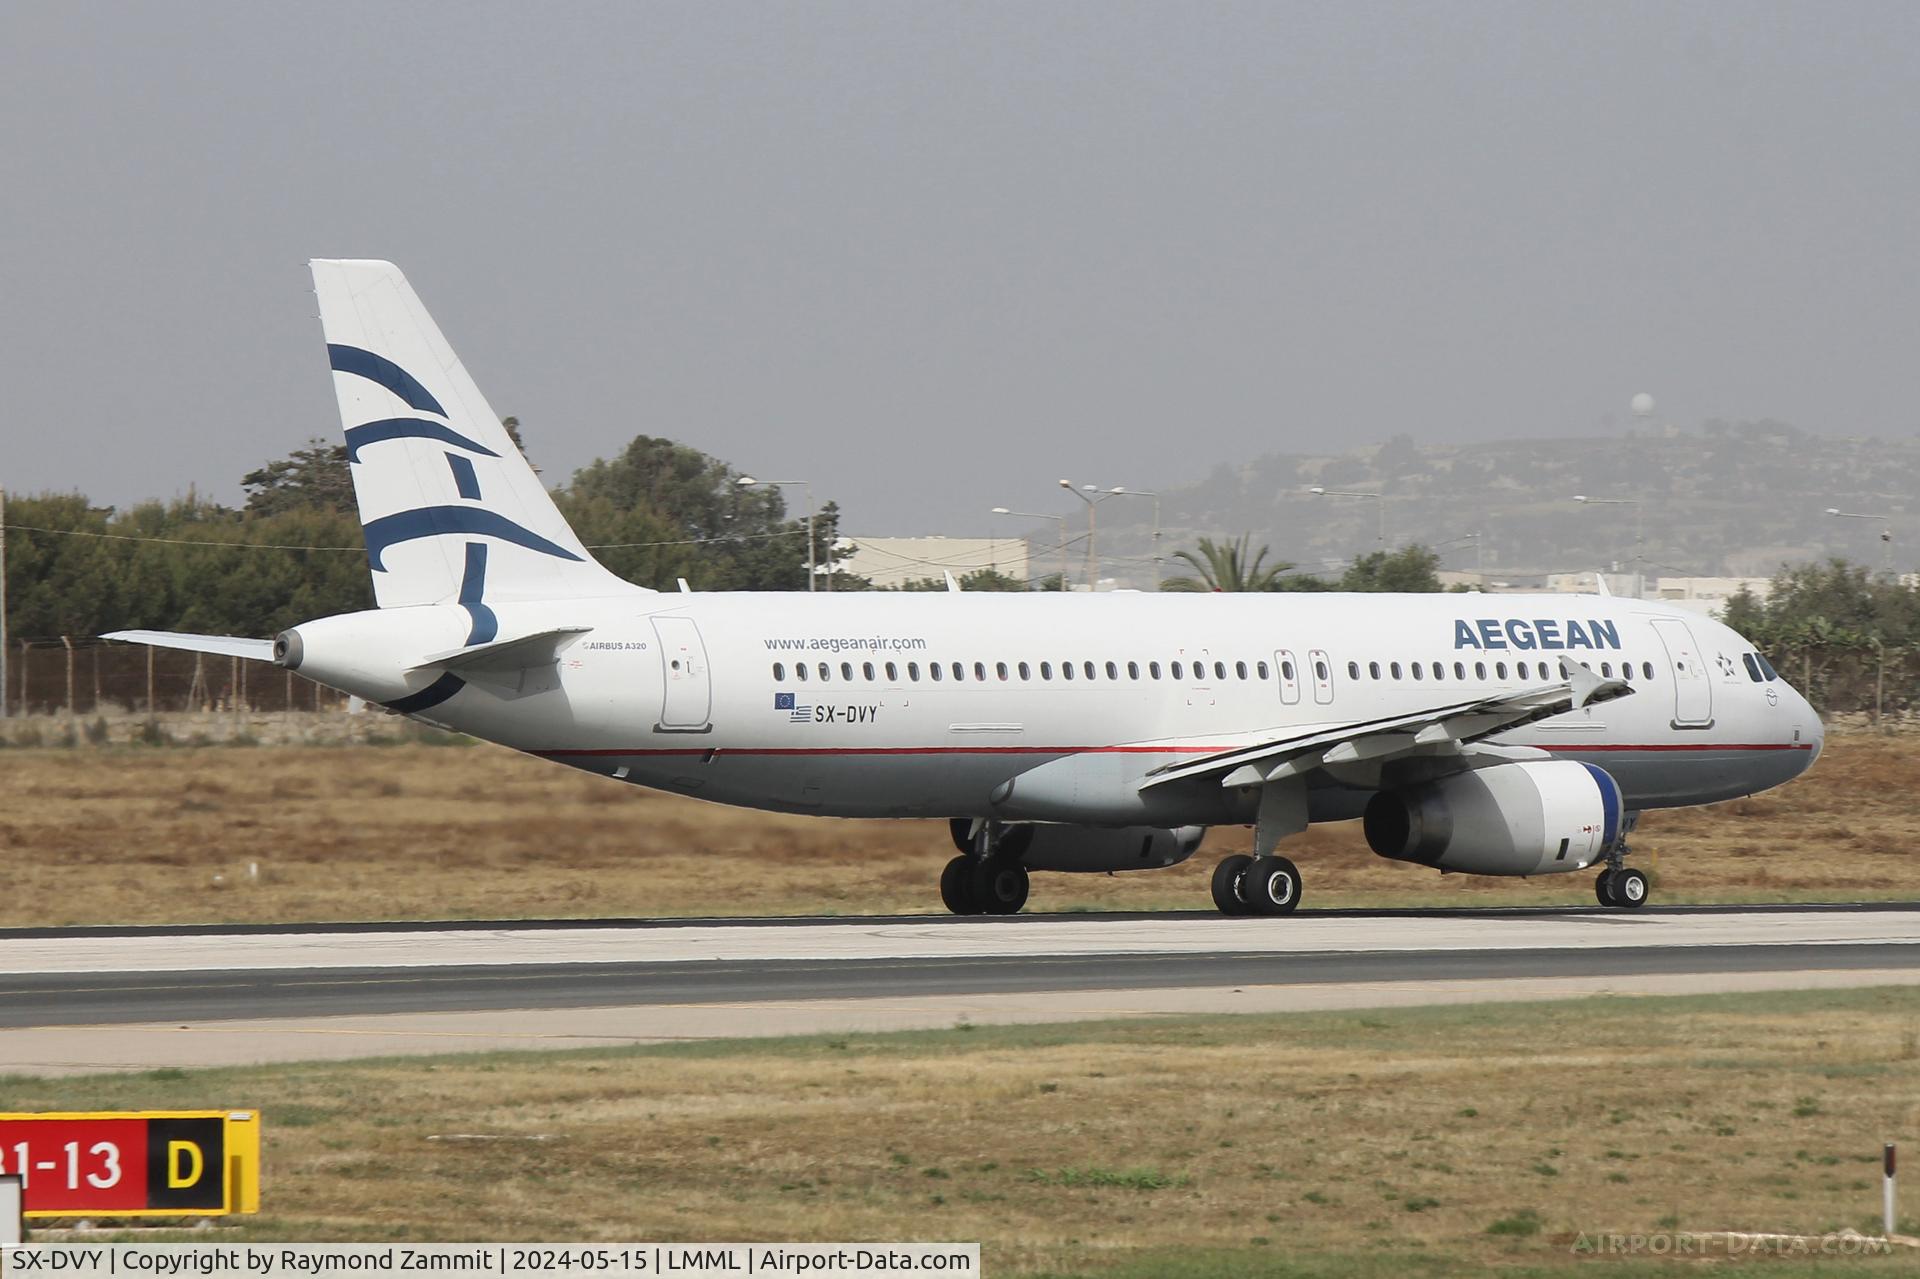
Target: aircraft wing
<point x="1456" y="728"/>
<point x="258" y="650"/>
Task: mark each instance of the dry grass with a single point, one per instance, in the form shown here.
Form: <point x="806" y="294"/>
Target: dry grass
<point x="140" y="836"/>
<point x="1381" y="1143"/>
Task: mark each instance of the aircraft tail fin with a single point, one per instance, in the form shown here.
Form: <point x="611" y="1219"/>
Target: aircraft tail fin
<point x="453" y="512"/>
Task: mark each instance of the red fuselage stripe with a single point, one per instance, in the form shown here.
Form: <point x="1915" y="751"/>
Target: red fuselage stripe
<point x="1106" y="750"/>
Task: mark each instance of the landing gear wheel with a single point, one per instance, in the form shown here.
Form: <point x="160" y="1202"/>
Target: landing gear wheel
<point x="998" y="885"/>
<point x="956" y="887"/>
<point x="1629" y="889"/>
<point x="1271" y="886"/>
<point x="1227" y="877"/>
<point x="1603" y="888"/>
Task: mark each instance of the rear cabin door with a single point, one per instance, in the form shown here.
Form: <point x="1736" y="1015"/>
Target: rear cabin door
<point x="1692" y="690"/>
<point x="1289" y="676"/>
<point x="686" y="706"/>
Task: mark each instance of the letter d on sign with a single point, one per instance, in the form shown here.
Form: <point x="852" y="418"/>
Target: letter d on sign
<point x="185" y="1163"/>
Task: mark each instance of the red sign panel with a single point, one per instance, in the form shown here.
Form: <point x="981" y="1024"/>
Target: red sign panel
<point x="106" y="1165"/>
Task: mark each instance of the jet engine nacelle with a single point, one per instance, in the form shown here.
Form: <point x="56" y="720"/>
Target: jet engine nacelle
<point x="1532" y="818"/>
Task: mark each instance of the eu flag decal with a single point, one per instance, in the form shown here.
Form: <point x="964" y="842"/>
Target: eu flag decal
<point x="783" y="701"/>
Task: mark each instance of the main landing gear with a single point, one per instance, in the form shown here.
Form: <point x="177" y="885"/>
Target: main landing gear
<point x="988" y="877"/>
<point x="1245" y="885"/>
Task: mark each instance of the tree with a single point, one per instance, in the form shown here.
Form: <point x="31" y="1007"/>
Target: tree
<point x="315" y="476"/>
<point x="1228" y="566"/>
<point x="1409" y="569"/>
<point x="981" y="579"/>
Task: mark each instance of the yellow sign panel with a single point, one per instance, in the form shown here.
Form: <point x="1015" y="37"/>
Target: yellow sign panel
<point x="137" y="1163"/>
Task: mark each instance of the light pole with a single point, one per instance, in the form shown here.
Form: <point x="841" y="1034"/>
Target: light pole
<point x="1036" y="515"/>
<point x="747" y="482"/>
<point x="1886" y="534"/>
<point x="1380" y="506"/>
<point x="1639" y="559"/>
<point x="1118" y="491"/>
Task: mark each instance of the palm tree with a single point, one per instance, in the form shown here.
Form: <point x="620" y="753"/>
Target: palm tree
<point x="1226" y="566"/>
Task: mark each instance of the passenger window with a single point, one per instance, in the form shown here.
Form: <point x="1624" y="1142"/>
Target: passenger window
<point x="1320" y="670"/>
<point x="1459" y="670"/>
<point x="1066" y="670"/>
<point x="1086" y="668"/>
<point x="893" y="672"/>
<point x="913" y="670"/>
<point x="1219" y="670"/>
<point x="826" y="672"/>
<point x="1199" y="672"/>
<point x="1133" y="670"/>
<point x="1479" y="670"/>
<point x="1153" y="669"/>
<point x="846" y="670"/>
<point x="1286" y="669"/>
<point x="1353" y="670"/>
<point x="1046" y="670"/>
<point x="1240" y="670"/>
<point x="1394" y="668"/>
<point x="1606" y="670"/>
<point x="1646" y="668"/>
<point x="866" y="668"/>
<point x="1520" y="670"/>
<point x="1000" y="669"/>
<point x="1178" y="670"/>
<point x="1025" y="672"/>
<point x="980" y="671"/>
<point x="800" y="671"/>
<point x="1261" y="667"/>
<point x="1626" y="670"/>
<point x="1113" y="671"/>
<point x="1500" y="669"/>
<point x="1373" y="669"/>
<point x="1439" y="670"/>
<point x="959" y="671"/>
<point x="1416" y="670"/>
<point x="933" y="671"/>
<point x="779" y="671"/>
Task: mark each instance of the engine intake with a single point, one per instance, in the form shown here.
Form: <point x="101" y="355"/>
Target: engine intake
<point x="1533" y="818"/>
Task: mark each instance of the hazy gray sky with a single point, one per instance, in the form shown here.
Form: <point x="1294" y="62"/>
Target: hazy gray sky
<point x="933" y="256"/>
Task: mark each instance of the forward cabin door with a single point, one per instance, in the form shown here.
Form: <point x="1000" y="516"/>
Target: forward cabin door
<point x="1322" y="676"/>
<point x="1289" y="674"/>
<point x="687" y="704"/>
<point x="1692" y="690"/>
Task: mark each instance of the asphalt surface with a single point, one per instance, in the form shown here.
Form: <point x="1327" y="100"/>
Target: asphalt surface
<point x="109" y="998"/>
<point x="330" y="971"/>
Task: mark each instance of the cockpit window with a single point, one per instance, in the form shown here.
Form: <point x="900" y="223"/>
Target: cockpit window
<point x="1753" y="667"/>
<point x="1766" y="666"/>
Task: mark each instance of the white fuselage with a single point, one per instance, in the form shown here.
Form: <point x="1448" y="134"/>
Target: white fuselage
<point x="829" y="703"/>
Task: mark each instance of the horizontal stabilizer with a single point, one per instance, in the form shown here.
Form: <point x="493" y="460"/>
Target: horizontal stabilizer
<point x="539" y="649"/>
<point x="257" y="650"/>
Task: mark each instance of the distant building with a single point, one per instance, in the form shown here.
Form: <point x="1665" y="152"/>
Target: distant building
<point x="890" y="561"/>
<point x="1708" y="595"/>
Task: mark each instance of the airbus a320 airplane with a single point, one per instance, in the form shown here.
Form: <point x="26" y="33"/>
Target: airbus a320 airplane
<point x="1486" y="735"/>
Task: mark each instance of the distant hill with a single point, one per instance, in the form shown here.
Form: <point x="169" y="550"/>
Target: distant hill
<point x="1733" y="499"/>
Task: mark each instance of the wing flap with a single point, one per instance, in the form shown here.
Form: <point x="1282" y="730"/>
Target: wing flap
<point x="1458" y="728"/>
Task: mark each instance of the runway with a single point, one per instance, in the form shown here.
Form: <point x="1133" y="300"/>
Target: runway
<point x="135" y="998"/>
